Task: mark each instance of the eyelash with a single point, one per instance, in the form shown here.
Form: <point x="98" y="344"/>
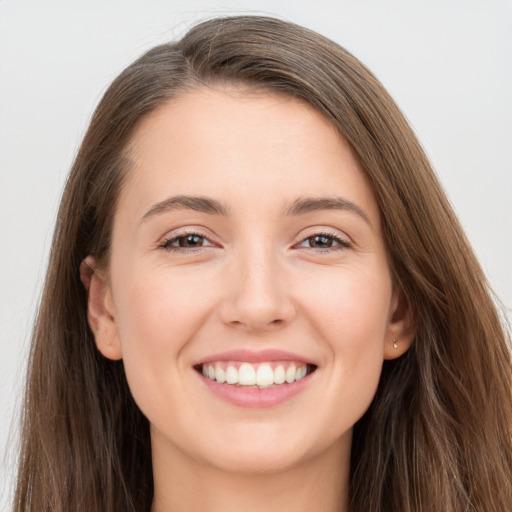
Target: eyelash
<point x="167" y="243"/>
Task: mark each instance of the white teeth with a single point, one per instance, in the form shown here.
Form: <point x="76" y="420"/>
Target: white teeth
<point x="290" y="374"/>
<point x="264" y="375"/>
<point x="301" y="373"/>
<point x="279" y="375"/>
<point x="261" y="375"/>
<point x="232" y="375"/>
<point x="246" y="375"/>
<point x="220" y="376"/>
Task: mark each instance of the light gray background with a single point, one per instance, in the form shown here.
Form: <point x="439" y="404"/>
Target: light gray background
<point x="448" y="63"/>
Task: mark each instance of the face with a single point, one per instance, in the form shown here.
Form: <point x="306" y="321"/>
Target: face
<point x="248" y="291"/>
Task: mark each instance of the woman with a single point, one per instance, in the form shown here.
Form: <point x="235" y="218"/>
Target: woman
<point x="259" y="297"/>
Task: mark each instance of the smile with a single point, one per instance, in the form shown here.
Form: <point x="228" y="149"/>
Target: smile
<point x="255" y="381"/>
<point x="261" y="375"/>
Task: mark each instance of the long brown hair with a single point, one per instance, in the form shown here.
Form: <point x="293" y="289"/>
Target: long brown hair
<point x="438" y="433"/>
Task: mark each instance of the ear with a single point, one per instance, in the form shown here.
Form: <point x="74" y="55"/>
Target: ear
<point x="401" y="327"/>
<point x="100" y="309"/>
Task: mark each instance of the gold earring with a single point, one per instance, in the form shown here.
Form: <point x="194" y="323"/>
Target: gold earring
<point x="395" y="344"/>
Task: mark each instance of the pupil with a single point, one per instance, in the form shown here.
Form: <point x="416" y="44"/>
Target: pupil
<point x="321" y="241"/>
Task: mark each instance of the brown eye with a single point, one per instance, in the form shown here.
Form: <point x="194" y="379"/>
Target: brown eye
<point x="321" y="241"/>
<point x="186" y="241"/>
<point x="190" y="241"/>
<point x="324" y="241"/>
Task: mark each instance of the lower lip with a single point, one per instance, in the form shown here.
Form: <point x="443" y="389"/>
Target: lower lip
<point x="244" y="396"/>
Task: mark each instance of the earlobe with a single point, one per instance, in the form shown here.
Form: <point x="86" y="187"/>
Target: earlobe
<point x="402" y="326"/>
<point x="100" y="309"/>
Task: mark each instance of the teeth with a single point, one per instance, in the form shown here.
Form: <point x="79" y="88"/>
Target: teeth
<point x="290" y="374"/>
<point x="246" y="375"/>
<point x="232" y="375"/>
<point x="301" y="373"/>
<point x="265" y="375"/>
<point x="262" y="375"/>
<point x="279" y="375"/>
<point x="220" y="375"/>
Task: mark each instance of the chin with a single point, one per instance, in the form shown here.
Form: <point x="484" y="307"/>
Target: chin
<point x="262" y="450"/>
<point x="258" y="462"/>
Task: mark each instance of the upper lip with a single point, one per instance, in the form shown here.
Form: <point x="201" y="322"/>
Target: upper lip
<point x="255" y="356"/>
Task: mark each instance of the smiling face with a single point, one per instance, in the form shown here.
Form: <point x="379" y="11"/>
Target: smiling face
<point x="247" y="248"/>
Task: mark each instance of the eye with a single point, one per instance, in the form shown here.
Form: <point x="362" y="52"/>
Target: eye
<point x="324" y="241"/>
<point x="186" y="241"/>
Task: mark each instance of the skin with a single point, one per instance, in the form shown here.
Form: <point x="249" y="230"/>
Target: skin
<point x="255" y="281"/>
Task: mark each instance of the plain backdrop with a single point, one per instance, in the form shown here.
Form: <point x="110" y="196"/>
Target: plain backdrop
<point x="448" y="63"/>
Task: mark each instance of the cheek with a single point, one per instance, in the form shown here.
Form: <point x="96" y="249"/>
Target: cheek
<point x="350" y="311"/>
<point x="159" y="310"/>
<point x="157" y="313"/>
<point x="351" y="307"/>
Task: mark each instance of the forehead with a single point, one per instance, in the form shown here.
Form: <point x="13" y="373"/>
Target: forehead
<point x="241" y="144"/>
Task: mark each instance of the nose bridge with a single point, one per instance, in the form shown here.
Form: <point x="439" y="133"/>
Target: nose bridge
<point x="258" y="297"/>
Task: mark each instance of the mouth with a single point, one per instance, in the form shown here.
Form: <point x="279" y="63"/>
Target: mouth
<point x="255" y="379"/>
<point x="261" y="375"/>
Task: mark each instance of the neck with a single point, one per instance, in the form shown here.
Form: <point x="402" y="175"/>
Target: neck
<point x="319" y="484"/>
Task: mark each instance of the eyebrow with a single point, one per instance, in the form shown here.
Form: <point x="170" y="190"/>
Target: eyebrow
<point x="196" y="203"/>
<point x="312" y="204"/>
<point x="211" y="206"/>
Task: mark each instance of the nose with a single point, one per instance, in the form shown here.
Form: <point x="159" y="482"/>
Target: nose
<point x="257" y="298"/>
